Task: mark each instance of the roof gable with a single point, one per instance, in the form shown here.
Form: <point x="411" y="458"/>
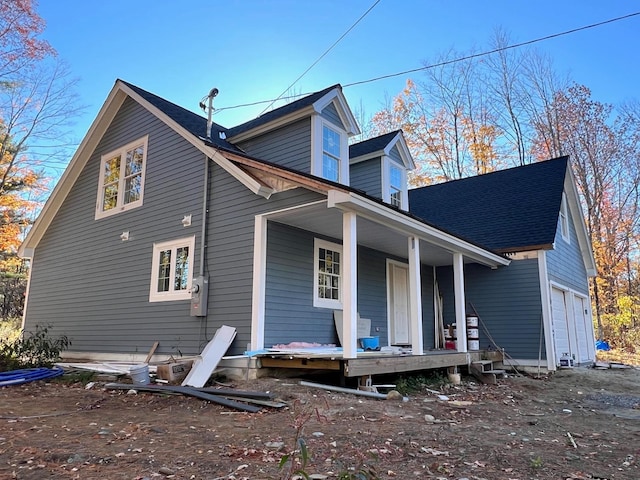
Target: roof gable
<point x="185" y="123"/>
<point x="509" y="210"/>
<point x="306" y="106"/>
<point x="379" y="146"/>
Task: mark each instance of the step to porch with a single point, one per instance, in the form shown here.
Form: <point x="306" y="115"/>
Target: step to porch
<point x="485" y="372"/>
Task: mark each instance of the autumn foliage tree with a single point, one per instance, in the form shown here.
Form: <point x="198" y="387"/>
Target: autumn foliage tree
<point x="36" y="104"/>
<point x="511" y="108"/>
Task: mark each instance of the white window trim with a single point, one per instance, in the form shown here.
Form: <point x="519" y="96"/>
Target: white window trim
<point x="564" y="220"/>
<point x="154" y="295"/>
<point x="387" y="163"/>
<point x="144" y="141"/>
<point x="326" y="302"/>
<point x="317" y="124"/>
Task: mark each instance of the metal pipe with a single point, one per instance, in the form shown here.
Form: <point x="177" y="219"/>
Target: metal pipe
<point x="205" y="214"/>
<point x="363" y="393"/>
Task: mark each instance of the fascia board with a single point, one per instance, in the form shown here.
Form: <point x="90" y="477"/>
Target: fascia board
<point x="410" y="226"/>
<point x="404" y="151"/>
<point x="272" y="125"/>
<point x="80" y="158"/>
<point x="577" y="215"/>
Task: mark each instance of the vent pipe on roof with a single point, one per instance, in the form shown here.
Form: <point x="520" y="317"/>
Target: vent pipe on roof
<point x="208" y="108"/>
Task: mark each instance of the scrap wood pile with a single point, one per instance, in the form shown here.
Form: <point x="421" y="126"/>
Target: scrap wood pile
<point x="246" y="401"/>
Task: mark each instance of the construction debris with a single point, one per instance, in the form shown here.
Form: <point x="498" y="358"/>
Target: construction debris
<point x="237" y="399"/>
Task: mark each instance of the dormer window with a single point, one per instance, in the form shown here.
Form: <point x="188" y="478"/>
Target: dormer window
<point x="329" y="151"/>
<point x="394" y="184"/>
<point x="330" y="154"/>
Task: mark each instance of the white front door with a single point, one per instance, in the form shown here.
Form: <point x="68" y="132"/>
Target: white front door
<point x="398" y="303"/>
<point x="560" y="323"/>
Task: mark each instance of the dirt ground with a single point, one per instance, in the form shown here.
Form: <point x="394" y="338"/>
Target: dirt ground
<point x="575" y="424"/>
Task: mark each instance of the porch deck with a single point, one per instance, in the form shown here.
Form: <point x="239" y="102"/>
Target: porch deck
<point x="371" y="363"/>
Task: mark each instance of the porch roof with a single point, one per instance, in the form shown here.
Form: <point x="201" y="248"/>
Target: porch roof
<point x="383" y="229"/>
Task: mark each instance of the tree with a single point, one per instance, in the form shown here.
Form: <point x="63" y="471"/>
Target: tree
<point x="36" y="104"/>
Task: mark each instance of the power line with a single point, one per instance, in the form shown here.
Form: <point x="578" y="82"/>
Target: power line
<point x="435" y="65"/>
<point x="496" y="50"/>
<point x="322" y="56"/>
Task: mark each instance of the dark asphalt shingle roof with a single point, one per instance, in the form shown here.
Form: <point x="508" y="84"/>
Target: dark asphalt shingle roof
<point x="280" y="112"/>
<point x="192" y="122"/>
<point x="371" y="145"/>
<point x="507" y="210"/>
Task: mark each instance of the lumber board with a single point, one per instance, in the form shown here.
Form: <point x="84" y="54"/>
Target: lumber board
<point x="189" y="391"/>
<point x="357" y="367"/>
<point x="229" y="392"/>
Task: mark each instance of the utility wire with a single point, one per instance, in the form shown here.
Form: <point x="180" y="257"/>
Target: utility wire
<point x="321" y="56"/>
<point x="427" y="67"/>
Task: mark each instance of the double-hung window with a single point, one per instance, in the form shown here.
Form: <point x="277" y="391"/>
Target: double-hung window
<point x="121" y="183"/>
<point x="171" y="270"/>
<point x="330" y="154"/>
<point x="327" y="274"/>
<point x="395" y="186"/>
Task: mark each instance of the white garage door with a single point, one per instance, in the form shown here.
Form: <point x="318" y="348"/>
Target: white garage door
<point x="560" y="323"/>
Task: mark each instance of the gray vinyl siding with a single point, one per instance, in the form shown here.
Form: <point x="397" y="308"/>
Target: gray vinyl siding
<point x="367" y="176"/>
<point x="93" y="287"/>
<point x="290" y="314"/>
<point x="330" y="113"/>
<point x="289" y="146"/>
<point x="507" y="301"/>
<point x="565" y="264"/>
<point x="428" y="317"/>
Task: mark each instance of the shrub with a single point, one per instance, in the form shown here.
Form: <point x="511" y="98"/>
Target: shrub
<point x="32" y="349"/>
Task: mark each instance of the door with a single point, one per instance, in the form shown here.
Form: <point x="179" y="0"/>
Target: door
<point x="398" y="303"/>
<point x="560" y="323"/>
<point x="583" y="329"/>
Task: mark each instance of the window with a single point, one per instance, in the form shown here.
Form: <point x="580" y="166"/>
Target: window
<point x="327" y="284"/>
<point x="394" y="183"/>
<point x="564" y="219"/>
<point x="395" y="186"/>
<point x="329" y="151"/>
<point x="122" y="179"/>
<point x="330" y="154"/>
<point x="171" y="270"/>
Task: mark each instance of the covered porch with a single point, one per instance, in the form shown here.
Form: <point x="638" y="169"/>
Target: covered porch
<point x="358" y="222"/>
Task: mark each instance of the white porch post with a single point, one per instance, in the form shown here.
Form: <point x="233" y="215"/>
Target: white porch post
<point x="349" y="285"/>
<point x="415" y="297"/>
<point x="259" y="282"/>
<point x="460" y="302"/>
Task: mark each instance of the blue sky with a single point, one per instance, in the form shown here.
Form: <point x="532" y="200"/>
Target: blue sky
<point x="252" y="50"/>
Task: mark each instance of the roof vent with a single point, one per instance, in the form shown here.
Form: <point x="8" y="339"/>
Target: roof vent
<point x="222" y="135"/>
<point x="208" y="108"/>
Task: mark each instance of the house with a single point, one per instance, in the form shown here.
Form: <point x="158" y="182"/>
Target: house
<point x="166" y="225"/>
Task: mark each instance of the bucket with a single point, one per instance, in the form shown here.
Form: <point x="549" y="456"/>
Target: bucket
<point x="140" y="374"/>
<point x="472" y="333"/>
<point x="473" y="344"/>
<point x="370" y="343"/>
<point x="472" y="321"/>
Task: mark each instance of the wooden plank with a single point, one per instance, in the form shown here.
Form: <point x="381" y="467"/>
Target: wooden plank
<point x="151" y="352"/>
<point x="356" y="367"/>
<point x="295" y="362"/>
<point x="208" y="360"/>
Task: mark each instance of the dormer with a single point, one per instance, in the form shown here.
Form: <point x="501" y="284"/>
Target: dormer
<point x="379" y="166"/>
<point x="310" y="135"/>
